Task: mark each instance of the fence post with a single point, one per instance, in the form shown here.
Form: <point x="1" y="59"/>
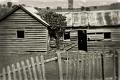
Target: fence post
<point x="43" y="67"/>
<point x="102" y="61"/>
<point x="34" y="68"/>
<point x="4" y="74"/>
<point x="60" y="65"/>
<point x="14" y="72"/>
<point x="39" y="68"/>
<point x="24" y="70"/>
<point x="118" y="66"/>
<point x="9" y="73"/>
<point x="29" y="70"/>
<point x="19" y="71"/>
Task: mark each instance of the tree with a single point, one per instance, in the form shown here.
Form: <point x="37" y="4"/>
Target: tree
<point x="59" y="8"/>
<point x="48" y="8"/>
<point x="82" y="8"/>
<point x="9" y="4"/>
<point x="58" y="23"/>
<point x="87" y="9"/>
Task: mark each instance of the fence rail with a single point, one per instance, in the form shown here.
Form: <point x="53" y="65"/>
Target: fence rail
<point x="70" y="65"/>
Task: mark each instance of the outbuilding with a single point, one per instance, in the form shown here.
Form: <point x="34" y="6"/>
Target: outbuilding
<point x="23" y="31"/>
<point x="92" y="30"/>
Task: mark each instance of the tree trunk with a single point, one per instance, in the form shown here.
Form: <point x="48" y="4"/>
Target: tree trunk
<point x="57" y="43"/>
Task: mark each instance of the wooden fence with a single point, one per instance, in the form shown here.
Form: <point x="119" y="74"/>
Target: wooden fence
<point x="71" y="66"/>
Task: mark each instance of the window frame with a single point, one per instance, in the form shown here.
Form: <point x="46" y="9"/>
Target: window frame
<point x="17" y="34"/>
<point x="109" y="35"/>
<point x="64" y="36"/>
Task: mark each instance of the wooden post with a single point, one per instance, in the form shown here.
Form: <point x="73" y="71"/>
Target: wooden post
<point x="60" y="65"/>
<point x="102" y="61"/>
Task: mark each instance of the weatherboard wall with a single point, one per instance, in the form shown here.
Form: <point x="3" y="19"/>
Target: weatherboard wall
<point x="35" y="34"/>
<point x="98" y="42"/>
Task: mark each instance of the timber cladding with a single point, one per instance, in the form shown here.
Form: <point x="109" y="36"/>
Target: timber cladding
<point x="21" y="32"/>
<point x="98" y="39"/>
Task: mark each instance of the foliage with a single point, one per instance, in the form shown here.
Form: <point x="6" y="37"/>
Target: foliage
<point x="82" y="8"/>
<point x="57" y="22"/>
<point x="59" y="8"/>
<point x="4" y="9"/>
<point x="9" y="4"/>
<point x="48" y="8"/>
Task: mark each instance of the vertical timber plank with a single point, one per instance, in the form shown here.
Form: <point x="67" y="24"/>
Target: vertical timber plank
<point x="43" y="67"/>
<point x="78" y="66"/>
<point x="39" y="68"/>
<point x="34" y="69"/>
<point x="9" y="73"/>
<point x="118" y="66"/>
<point x="100" y="67"/>
<point x="19" y="71"/>
<point x="73" y="68"/>
<point x="14" y="72"/>
<point x="89" y="66"/>
<point x="82" y="66"/>
<point x="4" y="74"/>
<point x="67" y="67"/>
<point x="24" y="70"/>
<point x="29" y="70"/>
<point x="60" y="65"/>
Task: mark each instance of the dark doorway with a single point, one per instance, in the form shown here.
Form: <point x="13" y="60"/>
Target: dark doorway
<point x="82" y="40"/>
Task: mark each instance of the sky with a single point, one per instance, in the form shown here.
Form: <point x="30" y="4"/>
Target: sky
<point x="63" y="3"/>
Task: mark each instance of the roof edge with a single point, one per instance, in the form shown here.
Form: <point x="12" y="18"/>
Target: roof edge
<point x="21" y="7"/>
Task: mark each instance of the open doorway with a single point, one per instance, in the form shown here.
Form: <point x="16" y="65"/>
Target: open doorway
<point x="82" y="40"/>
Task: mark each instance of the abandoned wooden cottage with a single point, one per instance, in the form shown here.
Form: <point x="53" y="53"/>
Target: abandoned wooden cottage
<point x="23" y="31"/>
<point x="92" y="30"/>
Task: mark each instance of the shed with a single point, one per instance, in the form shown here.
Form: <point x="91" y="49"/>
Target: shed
<point x="93" y="30"/>
<point x="23" y="31"/>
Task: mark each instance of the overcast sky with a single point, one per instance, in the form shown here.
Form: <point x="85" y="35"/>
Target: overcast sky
<point x="63" y="3"/>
